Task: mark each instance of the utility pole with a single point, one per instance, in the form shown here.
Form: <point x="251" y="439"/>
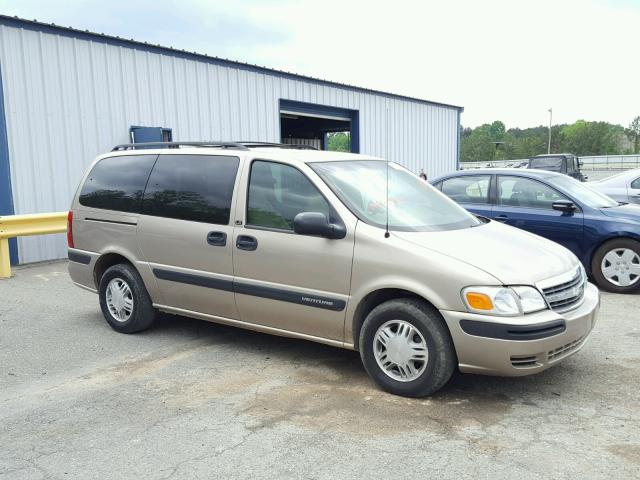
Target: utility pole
<point x="550" y="120"/>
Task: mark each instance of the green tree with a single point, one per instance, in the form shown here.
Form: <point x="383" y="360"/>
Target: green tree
<point x="633" y="134"/>
<point x="592" y="138"/>
<point x="581" y="138"/>
<point x="339" y="142"/>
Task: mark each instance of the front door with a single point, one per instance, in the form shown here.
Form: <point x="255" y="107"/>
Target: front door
<point x="291" y="282"/>
<point x="185" y="232"/>
<point x="526" y="204"/>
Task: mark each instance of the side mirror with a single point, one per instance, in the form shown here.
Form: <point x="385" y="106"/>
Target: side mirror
<point x="316" y="223"/>
<point x="564" y="206"/>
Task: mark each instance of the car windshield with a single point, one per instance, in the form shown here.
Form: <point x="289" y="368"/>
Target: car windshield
<point x="582" y="193"/>
<point x="414" y="205"/>
<point x="553" y="164"/>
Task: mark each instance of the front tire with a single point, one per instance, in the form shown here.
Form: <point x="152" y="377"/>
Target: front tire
<point x="616" y="266"/>
<point x="124" y="300"/>
<point x="406" y="348"/>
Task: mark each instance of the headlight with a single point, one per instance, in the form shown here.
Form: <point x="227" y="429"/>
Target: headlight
<point x="503" y="300"/>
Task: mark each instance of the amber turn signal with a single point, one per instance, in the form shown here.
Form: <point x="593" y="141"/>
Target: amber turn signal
<point x="479" y="301"/>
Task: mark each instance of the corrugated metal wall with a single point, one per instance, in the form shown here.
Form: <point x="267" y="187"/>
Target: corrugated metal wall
<point x="69" y="99"/>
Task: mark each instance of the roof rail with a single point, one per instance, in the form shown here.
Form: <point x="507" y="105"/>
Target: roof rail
<point x="277" y="145"/>
<point x="137" y="146"/>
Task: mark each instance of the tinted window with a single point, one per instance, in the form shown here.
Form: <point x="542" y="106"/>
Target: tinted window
<point x="553" y="164"/>
<point x="117" y="183"/>
<point x="277" y="193"/>
<point x="467" y="188"/>
<point x="524" y="192"/>
<point x="191" y="187"/>
<point x="636" y="183"/>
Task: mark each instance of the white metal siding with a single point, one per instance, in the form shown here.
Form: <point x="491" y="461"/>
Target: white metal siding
<point x="68" y="100"/>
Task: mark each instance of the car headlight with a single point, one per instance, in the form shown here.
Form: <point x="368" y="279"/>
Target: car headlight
<point x="503" y="300"/>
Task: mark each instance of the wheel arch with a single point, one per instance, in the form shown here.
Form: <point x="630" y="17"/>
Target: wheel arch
<point x="376" y="297"/>
<point x="106" y="260"/>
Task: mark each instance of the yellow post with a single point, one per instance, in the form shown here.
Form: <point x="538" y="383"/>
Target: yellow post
<point x="5" y="263"/>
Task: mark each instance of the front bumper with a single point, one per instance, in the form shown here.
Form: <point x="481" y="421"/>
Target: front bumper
<point x="518" y="346"/>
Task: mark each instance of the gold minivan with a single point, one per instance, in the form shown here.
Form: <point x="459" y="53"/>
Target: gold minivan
<point x="343" y="249"/>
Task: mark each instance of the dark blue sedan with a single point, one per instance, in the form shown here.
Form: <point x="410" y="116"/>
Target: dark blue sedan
<point x="602" y="233"/>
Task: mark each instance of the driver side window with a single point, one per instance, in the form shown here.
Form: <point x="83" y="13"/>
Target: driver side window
<point x="636" y="184"/>
<point x="527" y="193"/>
<point x="277" y="193"/>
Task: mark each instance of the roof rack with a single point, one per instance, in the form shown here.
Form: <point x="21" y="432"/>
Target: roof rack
<point x="296" y="146"/>
<point x="137" y="146"/>
<point x="229" y="145"/>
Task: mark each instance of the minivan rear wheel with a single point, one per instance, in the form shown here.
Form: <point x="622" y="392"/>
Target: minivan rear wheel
<point x="124" y="300"/>
<point x="406" y="348"/>
<point x="616" y="266"/>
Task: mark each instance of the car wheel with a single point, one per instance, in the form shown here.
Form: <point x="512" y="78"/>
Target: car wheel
<point x="406" y="348"/>
<point x="616" y="266"/>
<point x="124" y="300"/>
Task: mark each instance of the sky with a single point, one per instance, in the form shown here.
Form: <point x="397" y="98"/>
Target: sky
<point x="508" y="60"/>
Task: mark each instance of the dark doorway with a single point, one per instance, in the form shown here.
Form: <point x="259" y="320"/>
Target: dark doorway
<point x="319" y="126"/>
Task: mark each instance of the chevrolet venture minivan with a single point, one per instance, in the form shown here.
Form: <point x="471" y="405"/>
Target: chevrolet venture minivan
<point x="338" y="248"/>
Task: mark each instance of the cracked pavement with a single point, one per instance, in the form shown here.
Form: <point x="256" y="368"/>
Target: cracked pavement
<point x="190" y="399"/>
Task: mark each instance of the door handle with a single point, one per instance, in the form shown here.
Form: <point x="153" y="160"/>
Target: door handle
<point x="217" y="239"/>
<point x="502" y="218"/>
<point x="246" y="242"/>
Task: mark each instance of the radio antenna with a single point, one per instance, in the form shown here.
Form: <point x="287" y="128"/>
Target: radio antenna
<point x="386" y="229"/>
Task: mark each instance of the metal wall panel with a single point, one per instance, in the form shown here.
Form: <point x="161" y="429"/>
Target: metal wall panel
<point x="69" y="99"/>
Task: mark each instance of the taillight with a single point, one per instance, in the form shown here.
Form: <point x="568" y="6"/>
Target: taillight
<point x="70" y="229"/>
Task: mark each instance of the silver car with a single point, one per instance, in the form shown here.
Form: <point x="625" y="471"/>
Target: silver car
<point x="337" y="248"/>
<point x="623" y="187"/>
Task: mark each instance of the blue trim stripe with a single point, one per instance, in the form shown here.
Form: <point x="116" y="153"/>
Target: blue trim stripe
<point x="6" y="193"/>
<point x="147" y="47"/>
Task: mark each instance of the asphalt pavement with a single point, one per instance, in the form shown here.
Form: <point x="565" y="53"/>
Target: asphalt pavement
<point x="191" y="400"/>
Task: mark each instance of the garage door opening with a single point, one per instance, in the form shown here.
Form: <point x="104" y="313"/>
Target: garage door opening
<point x="319" y="126"/>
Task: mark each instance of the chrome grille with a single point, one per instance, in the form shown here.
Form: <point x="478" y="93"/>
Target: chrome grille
<point x="566" y="296"/>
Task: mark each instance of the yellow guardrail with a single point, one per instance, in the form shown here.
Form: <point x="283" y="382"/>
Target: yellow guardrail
<point x="22" y="225"/>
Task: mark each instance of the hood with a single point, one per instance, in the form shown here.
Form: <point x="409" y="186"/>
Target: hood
<point x="511" y="255"/>
<point x="628" y="212"/>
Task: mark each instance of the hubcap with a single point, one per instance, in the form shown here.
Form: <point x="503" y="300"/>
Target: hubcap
<point x="400" y="350"/>
<point x="621" y="267"/>
<point x="119" y="299"/>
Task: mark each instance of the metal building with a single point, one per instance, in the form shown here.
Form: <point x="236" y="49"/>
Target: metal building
<point x="69" y="95"/>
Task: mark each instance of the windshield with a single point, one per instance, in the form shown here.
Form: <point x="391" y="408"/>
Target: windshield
<point x="582" y="193"/>
<point x="414" y="205"/>
<point x="553" y="164"/>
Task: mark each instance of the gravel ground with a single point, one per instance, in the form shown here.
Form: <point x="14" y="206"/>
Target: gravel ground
<point x="190" y="399"/>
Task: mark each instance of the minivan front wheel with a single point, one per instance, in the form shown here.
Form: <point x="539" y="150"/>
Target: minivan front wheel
<point x="616" y="266"/>
<point x="124" y="300"/>
<point x="406" y="348"/>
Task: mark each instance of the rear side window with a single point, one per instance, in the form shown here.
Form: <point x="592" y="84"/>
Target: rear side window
<point x="192" y="187"/>
<point x="278" y="192"/>
<point x="467" y="188"/>
<point x="636" y="183"/>
<point x="117" y="183"/>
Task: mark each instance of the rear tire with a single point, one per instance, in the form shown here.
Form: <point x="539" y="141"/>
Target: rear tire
<point x="124" y="300"/>
<point x="616" y="266"/>
<point x="392" y="347"/>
